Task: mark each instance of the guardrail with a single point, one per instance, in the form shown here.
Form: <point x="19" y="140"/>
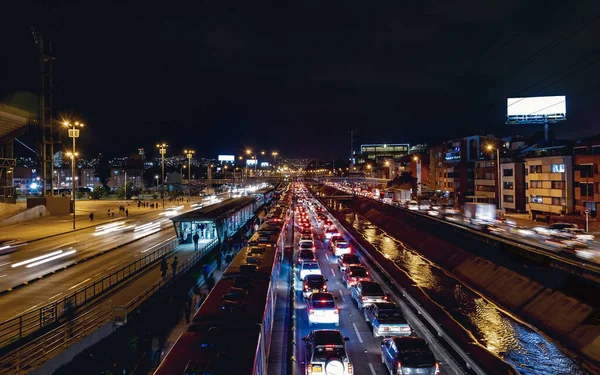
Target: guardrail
<point x="30" y="322"/>
<point x="181" y="269"/>
<point x="33" y="354"/>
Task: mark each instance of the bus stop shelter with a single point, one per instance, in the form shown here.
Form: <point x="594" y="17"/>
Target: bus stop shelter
<point x="218" y="220"/>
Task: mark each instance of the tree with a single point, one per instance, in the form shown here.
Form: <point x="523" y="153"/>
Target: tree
<point x="97" y="193"/>
<point x="121" y="192"/>
<point x="404" y="182"/>
<point x="103" y="171"/>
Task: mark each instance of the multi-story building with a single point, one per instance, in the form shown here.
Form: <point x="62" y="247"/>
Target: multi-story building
<point x="586" y="158"/>
<point x="369" y="153"/>
<point x="513" y="185"/>
<point x="549" y="180"/>
<point x="485" y="181"/>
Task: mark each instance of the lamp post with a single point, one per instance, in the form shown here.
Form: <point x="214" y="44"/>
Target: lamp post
<point x="418" y="167"/>
<point x="156" y="177"/>
<point x="162" y="148"/>
<point x="369" y="168"/>
<point x="499" y="179"/>
<point x="189" y="154"/>
<point x="389" y="165"/>
<point x="73" y="134"/>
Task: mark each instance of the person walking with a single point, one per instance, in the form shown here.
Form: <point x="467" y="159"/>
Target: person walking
<point x="174" y="266"/>
<point x="196" y="238"/>
<point x="188" y="309"/>
<point x="155" y="348"/>
<point x="108" y="212"/>
<point x="163" y="266"/>
<point x="91" y="216"/>
<point x="127" y="212"/>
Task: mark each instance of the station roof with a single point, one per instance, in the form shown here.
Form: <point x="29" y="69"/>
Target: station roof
<point x="215" y="211"/>
<point x="13" y="122"/>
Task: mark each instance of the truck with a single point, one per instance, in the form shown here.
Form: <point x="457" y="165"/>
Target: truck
<point x="386" y="319"/>
<point x="480" y="212"/>
<point x="400" y="195"/>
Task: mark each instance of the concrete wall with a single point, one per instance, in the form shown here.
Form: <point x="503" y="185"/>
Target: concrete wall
<point x="27" y="215"/>
<point x="9" y="209"/>
<point x="541" y="295"/>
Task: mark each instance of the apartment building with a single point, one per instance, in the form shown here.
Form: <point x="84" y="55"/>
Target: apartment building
<point x="513" y="186"/>
<point x="549" y="180"/>
<point x="586" y="158"/>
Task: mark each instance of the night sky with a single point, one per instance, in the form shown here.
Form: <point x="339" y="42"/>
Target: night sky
<point x="220" y="77"/>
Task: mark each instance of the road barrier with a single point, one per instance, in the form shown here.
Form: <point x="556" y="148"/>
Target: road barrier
<point x="31" y="355"/>
<point x="181" y="269"/>
<point x="30" y="322"/>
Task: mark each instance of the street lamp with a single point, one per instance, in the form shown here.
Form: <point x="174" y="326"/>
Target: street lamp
<point x="156" y="177"/>
<point x="73" y="133"/>
<point x="499" y="179"/>
<point x="190" y="155"/>
<point x="253" y="155"/>
<point x="162" y="148"/>
<point x="389" y="165"/>
<point x="418" y="173"/>
<point x="369" y="168"/>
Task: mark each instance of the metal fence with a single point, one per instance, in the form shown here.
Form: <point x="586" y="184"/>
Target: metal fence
<point x="33" y="354"/>
<point x="181" y="269"/>
<point x="21" y="326"/>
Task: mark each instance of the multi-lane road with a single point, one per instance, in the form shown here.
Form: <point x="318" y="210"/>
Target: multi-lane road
<point x="364" y="349"/>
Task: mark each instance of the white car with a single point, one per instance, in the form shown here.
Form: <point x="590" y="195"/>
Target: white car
<point x="413" y="205"/>
<point x="341" y="248"/>
<point x="306" y="244"/>
<point x="308" y="268"/>
<point x="326" y="353"/>
<point x="321" y="309"/>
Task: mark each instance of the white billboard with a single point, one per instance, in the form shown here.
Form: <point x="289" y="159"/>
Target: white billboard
<point x="264" y="164"/>
<point x="538" y="109"/>
<point x="250" y="162"/>
<point x="226" y="158"/>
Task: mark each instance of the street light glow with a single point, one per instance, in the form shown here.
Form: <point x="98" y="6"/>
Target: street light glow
<point x="490" y="147"/>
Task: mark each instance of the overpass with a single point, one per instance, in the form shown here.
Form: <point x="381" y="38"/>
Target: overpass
<point x="13" y="123"/>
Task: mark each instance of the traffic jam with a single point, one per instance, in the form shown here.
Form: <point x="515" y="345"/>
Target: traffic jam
<point x="563" y="238"/>
<point x="346" y="322"/>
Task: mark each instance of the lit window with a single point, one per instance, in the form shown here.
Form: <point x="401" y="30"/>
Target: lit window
<point x="536" y="199"/>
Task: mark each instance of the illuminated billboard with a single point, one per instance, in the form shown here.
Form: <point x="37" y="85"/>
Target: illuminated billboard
<point x="264" y="164"/>
<point x="250" y="162"/>
<point x="226" y="158"/>
<point x="536" y="110"/>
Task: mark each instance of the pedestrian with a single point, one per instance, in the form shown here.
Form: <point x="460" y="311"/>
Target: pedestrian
<point x="174" y="266"/>
<point x="196" y="238"/>
<point x="188" y="310"/>
<point x="113" y="214"/>
<point x="91" y="216"/>
<point x="205" y="271"/>
<point x="155" y="348"/>
<point x="127" y="212"/>
<point x="108" y="212"/>
<point x="139" y="204"/>
<point x="163" y="266"/>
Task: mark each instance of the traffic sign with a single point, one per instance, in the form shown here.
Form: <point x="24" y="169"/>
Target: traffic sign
<point x="587" y="212"/>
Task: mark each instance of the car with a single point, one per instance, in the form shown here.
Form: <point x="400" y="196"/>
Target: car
<point x="308" y="268"/>
<point x="330" y="232"/>
<point x="326" y="353"/>
<point x="306" y="245"/>
<point x="386" y="319"/>
<point x="354" y="274"/>
<point x="321" y="309"/>
<point x="561" y="226"/>
<point x="346" y="260"/>
<point x="335" y="237"/>
<point x="408" y="355"/>
<point x="365" y="293"/>
<point x="341" y="248"/>
<point x="313" y="284"/>
<point x="413" y="205"/>
<point x="304" y="255"/>
<point x="304" y="237"/>
<point x="306" y="232"/>
<point x="576" y="234"/>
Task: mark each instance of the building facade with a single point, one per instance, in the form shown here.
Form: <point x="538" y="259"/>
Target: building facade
<point x="513" y="186"/>
<point x="370" y="152"/>
<point x="586" y="158"/>
<point x="549" y="182"/>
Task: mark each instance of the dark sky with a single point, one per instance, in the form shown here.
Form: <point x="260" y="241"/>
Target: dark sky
<point x="220" y="76"/>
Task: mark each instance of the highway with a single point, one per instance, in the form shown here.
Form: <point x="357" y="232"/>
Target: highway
<point x="363" y="347"/>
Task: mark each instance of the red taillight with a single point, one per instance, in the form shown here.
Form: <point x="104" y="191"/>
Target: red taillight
<point x="363" y="298"/>
<point x="324" y="287"/>
<point x="306" y="287"/>
<point x="437" y="368"/>
<point x="399" y="368"/>
<point x="311" y="311"/>
<point x="350" y="368"/>
<point x="313" y="248"/>
<point x="336" y="311"/>
<point x="385" y="298"/>
<point x="309" y="368"/>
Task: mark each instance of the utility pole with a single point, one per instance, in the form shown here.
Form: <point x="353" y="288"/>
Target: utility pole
<point x="351" y="149"/>
<point x="162" y="148"/>
<point x="45" y="111"/>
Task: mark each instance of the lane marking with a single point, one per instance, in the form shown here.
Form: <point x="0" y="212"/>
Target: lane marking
<point x="372" y="369"/>
<point x="51" y="258"/>
<point x="1" y="276"/>
<point x="76" y="285"/>
<point x="54" y="296"/>
<point x="327" y="256"/>
<point x="332" y="272"/>
<point x="342" y="295"/>
<point x="4" y="264"/>
<point x="97" y="274"/>
<point x="357" y="333"/>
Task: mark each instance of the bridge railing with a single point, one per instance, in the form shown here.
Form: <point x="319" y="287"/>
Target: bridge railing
<point x="30" y="322"/>
<point x="31" y="355"/>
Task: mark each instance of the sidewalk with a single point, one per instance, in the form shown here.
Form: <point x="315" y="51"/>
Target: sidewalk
<point x="38" y="229"/>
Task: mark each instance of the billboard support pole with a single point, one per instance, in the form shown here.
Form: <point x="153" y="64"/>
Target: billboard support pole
<point x="546" y="131"/>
